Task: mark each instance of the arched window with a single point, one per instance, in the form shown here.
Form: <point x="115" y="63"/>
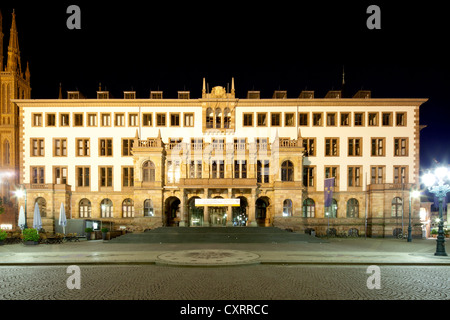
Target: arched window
<point x="6" y="153"/>
<point x="128" y="208"/>
<point x="148" y="208"/>
<point x="331" y="212"/>
<point x="287" y="208"/>
<point x="397" y="207"/>
<point x="309" y="208"/>
<point x="287" y="171"/>
<point x="42" y="207"/>
<point x="352" y="208"/>
<point x="227" y="118"/>
<point x="148" y="171"/>
<point x="209" y="118"/>
<point x="85" y="208"/>
<point x="218" y="118"/>
<point x="106" y="208"/>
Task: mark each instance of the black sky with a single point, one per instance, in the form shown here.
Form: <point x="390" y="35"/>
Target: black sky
<point x="265" y="46"/>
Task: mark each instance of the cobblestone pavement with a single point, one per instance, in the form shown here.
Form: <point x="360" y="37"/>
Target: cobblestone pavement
<point x="258" y="282"/>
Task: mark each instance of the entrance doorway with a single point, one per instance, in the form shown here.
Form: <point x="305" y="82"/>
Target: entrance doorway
<point x="172" y="212"/>
<point x="217" y="215"/>
<point x="239" y="217"/>
<point x="261" y="211"/>
<point x="196" y="214"/>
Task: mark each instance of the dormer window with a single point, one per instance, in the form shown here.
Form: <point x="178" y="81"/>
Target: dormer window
<point x="129" y="95"/>
<point x="73" y="95"/>
<point x="156" y="95"/>
<point x="183" y="95"/>
<point x="102" y="95"/>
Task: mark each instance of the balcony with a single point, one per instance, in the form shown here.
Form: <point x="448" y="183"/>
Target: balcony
<point x="218" y="183"/>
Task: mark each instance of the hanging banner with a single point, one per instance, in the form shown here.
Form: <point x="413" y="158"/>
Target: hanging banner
<point x="217" y="202"/>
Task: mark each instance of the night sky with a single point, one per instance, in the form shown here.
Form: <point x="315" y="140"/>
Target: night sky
<point x="265" y="46"/>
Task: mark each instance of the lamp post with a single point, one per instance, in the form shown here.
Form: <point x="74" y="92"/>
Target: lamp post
<point x="412" y="194"/>
<point x="437" y="186"/>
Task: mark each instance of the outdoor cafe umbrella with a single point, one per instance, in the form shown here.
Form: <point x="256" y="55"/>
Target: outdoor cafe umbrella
<point x="62" y="218"/>
<point x="37" y="221"/>
<point x="21" y="221"/>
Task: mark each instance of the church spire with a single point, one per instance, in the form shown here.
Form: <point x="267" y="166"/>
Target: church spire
<point x="1" y="41"/>
<point x="13" y="63"/>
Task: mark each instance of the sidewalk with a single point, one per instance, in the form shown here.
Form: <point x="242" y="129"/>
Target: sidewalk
<point x="334" y="251"/>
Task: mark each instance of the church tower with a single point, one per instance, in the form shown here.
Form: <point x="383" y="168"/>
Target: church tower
<point x="14" y="84"/>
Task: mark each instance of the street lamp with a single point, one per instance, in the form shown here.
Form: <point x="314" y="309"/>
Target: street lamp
<point x="412" y="194"/>
<point x="437" y="186"/>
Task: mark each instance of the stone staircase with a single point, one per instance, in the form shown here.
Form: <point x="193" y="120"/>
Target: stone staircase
<point x="215" y="235"/>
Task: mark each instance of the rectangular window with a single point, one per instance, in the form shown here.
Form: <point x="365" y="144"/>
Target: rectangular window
<point x="248" y="120"/>
<point x="262" y="171"/>
<point x="355" y="147"/>
<point x="161" y="119"/>
<point x="289" y="119"/>
<point x="195" y="169"/>
<point x="60" y="147"/>
<point x="377" y="175"/>
<point x="345" y="119"/>
<point x="106" y="177"/>
<point x="78" y="120"/>
<point x="64" y="120"/>
<point x="37" y="175"/>
<point x="317" y="119"/>
<point x="147" y="120"/>
<point x="173" y="171"/>
<point x="106" y="120"/>
<point x="261" y="119"/>
<point x="83" y="176"/>
<point x="91" y="119"/>
<point x="400" y="174"/>
<point x="331" y="119"/>
<point x="400" y="119"/>
<point x="60" y="175"/>
<point x="386" y="119"/>
<point x="308" y="176"/>
<point x="37" y="148"/>
<point x="119" y="120"/>
<point x="240" y="169"/>
<point x="133" y="119"/>
<point x="303" y="119"/>
<point x="401" y="147"/>
<point x="332" y="172"/>
<point x="105" y="148"/>
<point x="359" y="119"/>
<point x="51" y="120"/>
<point x="373" y="119"/>
<point x="354" y="176"/>
<point x="128" y="177"/>
<point x="332" y="147"/>
<point x="310" y="146"/>
<point x="275" y="119"/>
<point x="378" y="147"/>
<point x="188" y="119"/>
<point x="83" y="147"/>
<point x="174" y="119"/>
<point x="127" y="146"/>
<point x="37" y="119"/>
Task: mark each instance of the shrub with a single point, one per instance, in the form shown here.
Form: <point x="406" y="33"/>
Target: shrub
<point x="88" y="230"/>
<point x="105" y="229"/>
<point x="3" y="235"/>
<point x="30" y="235"/>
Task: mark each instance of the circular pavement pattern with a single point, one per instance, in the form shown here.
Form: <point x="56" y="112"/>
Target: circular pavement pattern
<point x="211" y="257"/>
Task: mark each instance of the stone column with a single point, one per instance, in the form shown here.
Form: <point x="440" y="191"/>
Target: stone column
<point x="230" y="209"/>
<point x="205" y="210"/>
<point x="183" y="219"/>
<point x="252" y="210"/>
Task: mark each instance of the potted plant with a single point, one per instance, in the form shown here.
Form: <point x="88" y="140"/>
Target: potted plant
<point x="3" y="236"/>
<point x="30" y="236"/>
<point x="104" y="233"/>
<point x="434" y="233"/>
<point x="88" y="233"/>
